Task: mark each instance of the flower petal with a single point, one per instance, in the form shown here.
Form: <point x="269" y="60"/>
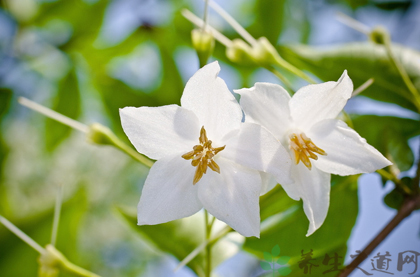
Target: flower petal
<point x="314" y="186"/>
<point x="209" y="98"/>
<point x="233" y="196"/>
<point x="160" y="131"/>
<point x="255" y="147"/>
<point x="314" y="103"/>
<point x="347" y="152"/>
<point x="267" y="104"/>
<point x="168" y="192"/>
<point x="268" y="182"/>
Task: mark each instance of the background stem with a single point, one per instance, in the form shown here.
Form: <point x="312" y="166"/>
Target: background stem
<point x="410" y="204"/>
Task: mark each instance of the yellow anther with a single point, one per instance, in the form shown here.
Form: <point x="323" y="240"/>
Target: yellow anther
<point x="202" y="156"/>
<point x="304" y="149"/>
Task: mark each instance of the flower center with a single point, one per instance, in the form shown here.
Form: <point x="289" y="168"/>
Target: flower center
<point x="202" y="156"/>
<point x="304" y="149"/>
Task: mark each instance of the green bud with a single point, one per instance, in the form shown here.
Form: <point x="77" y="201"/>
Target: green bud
<point x="50" y="261"/>
<point x="203" y="43"/>
<point x="100" y="134"/>
<point x="380" y="35"/>
<point x="264" y="53"/>
<point x="240" y="52"/>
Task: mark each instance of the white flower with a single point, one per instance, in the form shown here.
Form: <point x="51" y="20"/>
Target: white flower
<point x="206" y="157"/>
<point x="318" y="143"/>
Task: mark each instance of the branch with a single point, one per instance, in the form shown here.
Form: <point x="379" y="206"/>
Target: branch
<point x="410" y="204"/>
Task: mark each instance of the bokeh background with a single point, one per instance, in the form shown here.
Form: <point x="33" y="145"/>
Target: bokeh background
<point x="88" y="58"/>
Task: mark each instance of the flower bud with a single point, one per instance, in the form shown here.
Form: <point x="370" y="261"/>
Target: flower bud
<point x="264" y="52"/>
<point x="379" y="35"/>
<point x="49" y="262"/>
<point x="100" y="134"/>
<point x="240" y="52"/>
<point x="203" y="43"/>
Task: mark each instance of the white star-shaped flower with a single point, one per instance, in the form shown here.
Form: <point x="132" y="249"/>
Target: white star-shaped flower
<point x="206" y="157"/>
<point x="318" y="143"/>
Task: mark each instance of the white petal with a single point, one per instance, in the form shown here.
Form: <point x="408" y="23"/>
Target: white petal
<point x="314" y="186"/>
<point x="347" y="152"/>
<point x="209" y="98"/>
<point x="267" y="104"/>
<point x="233" y="196"/>
<point x="268" y="182"/>
<point x="160" y="131"/>
<point x="314" y="103"/>
<point x="255" y="147"/>
<point x="168" y="192"/>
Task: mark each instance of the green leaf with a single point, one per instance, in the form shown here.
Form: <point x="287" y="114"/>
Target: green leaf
<point x="275" y="251"/>
<point x="394" y="199"/>
<point x="14" y="252"/>
<point x="66" y="102"/>
<point x="284" y="271"/>
<point x="268" y="257"/>
<point x="179" y="238"/>
<point x="265" y="266"/>
<point x="362" y="61"/>
<point x="389" y="135"/>
<point x="283" y="260"/>
<point x="269" y="20"/>
<point x="288" y="227"/>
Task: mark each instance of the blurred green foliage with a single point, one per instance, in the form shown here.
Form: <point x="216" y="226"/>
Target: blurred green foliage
<point x="62" y="51"/>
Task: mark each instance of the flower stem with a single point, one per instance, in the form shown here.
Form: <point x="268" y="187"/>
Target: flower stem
<point x="57" y="210"/>
<point x="205" y="16"/>
<point x="53" y="115"/>
<point x="200" y="23"/>
<point x="96" y="132"/>
<point x="208" y="227"/>
<point x="282" y="78"/>
<point x="199" y="248"/>
<point x="409" y="205"/>
<point x="362" y="87"/>
<point x="292" y="69"/>
<point x="232" y="22"/>
<point x="403" y="73"/>
<point x="394" y="179"/>
<point x="15" y="230"/>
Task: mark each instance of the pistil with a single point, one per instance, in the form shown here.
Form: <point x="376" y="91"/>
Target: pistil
<point x="304" y="149"/>
<point x="202" y="156"/>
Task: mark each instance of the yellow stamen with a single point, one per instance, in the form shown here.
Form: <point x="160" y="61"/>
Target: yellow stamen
<point x="202" y="156"/>
<point x="304" y="149"/>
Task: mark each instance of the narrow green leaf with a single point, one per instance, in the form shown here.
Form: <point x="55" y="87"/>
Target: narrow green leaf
<point x="389" y="135"/>
<point x="362" y="61"/>
<point x="288" y="227"/>
<point x="66" y="102"/>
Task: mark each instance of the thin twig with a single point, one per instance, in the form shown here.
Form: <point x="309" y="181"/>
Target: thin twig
<point x="57" y="210"/>
<point x="53" y="115"/>
<point x="200" y="23"/>
<point x="364" y="86"/>
<point x="409" y="205"/>
<point x="232" y="22"/>
<point x="15" y="230"/>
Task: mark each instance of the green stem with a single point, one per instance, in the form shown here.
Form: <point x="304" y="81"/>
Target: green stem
<point x="282" y="78"/>
<point x="70" y="267"/>
<point x="292" y="69"/>
<point x="57" y="210"/>
<point x="132" y="153"/>
<point x="403" y="74"/>
<point x="208" y="227"/>
<point x="394" y="179"/>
